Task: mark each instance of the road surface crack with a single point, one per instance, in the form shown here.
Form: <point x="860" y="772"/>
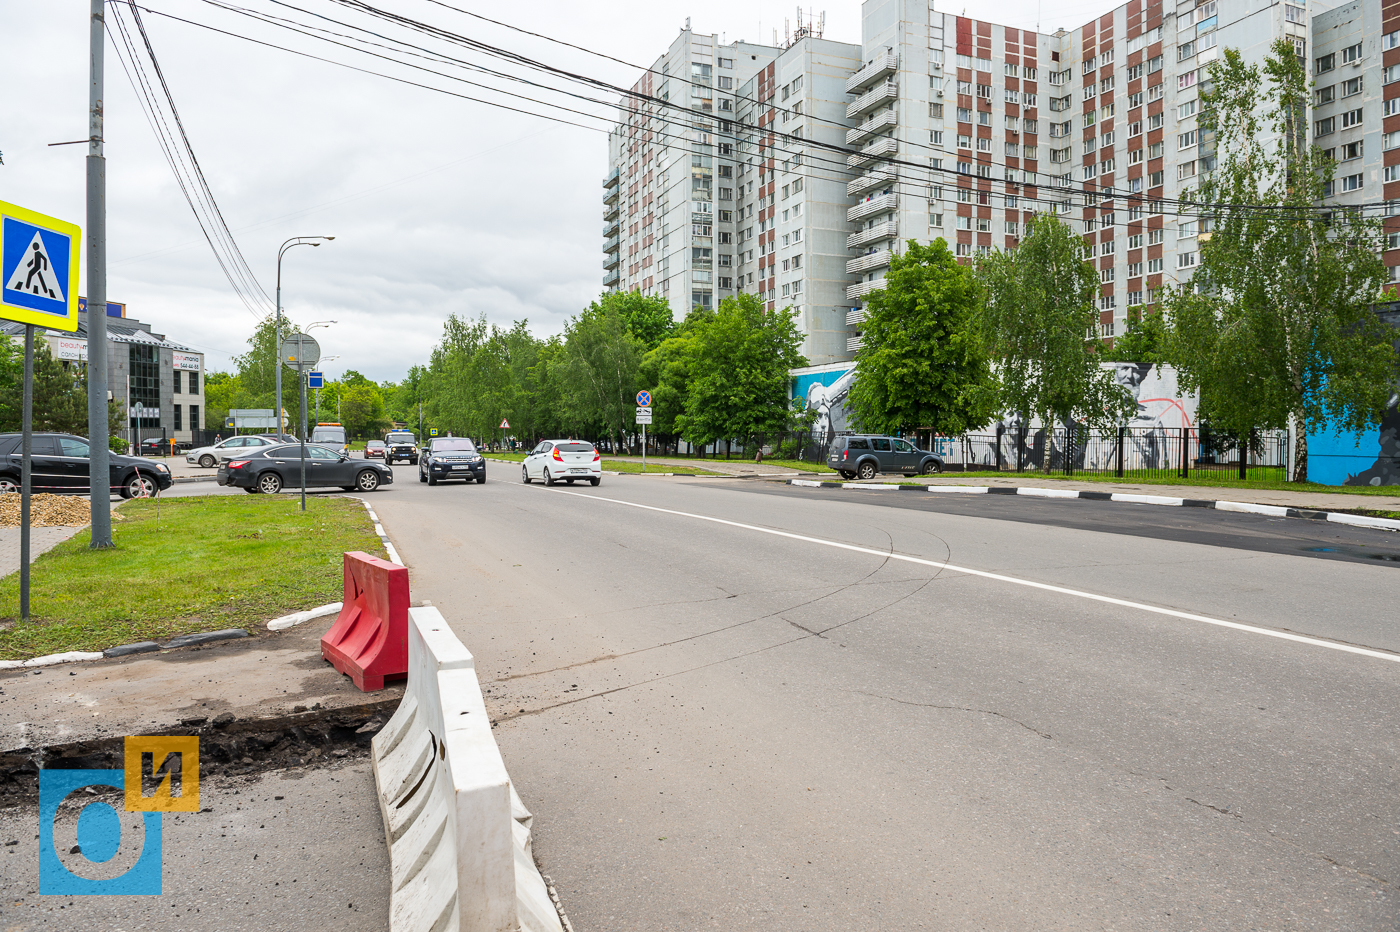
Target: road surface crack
<point x="961" y="708"/>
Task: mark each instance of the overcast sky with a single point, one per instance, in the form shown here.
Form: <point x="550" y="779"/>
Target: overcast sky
<point x="438" y="204"/>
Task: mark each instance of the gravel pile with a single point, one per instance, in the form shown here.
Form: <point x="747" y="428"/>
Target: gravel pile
<point x="46" y="510"/>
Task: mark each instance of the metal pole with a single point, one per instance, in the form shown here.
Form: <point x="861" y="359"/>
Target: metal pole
<point x="301" y="373"/>
<point x="99" y="471"/>
<point x="277" y="346"/>
<point x="644" y="448"/>
<point x="26" y="462"/>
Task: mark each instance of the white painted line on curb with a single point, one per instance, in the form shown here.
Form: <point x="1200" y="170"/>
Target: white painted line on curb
<point x="379" y="529"/>
<point x="296" y="618"/>
<point x="393" y="554"/>
<point x="49" y="660"/>
<point x="1388" y="524"/>
<point x="1048" y="493"/>
<point x="1274" y="511"/>
<point x="809" y="483"/>
<point x="1147" y="499"/>
<point x="857" y="485"/>
<point x="1047" y="587"/>
<point x="964" y="489"/>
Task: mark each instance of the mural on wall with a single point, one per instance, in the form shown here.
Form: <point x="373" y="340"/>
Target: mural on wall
<point x="1153" y="439"/>
<point x="1373" y="458"/>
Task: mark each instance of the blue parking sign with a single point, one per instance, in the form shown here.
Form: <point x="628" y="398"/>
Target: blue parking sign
<point x="38" y="269"/>
<point x="315" y="380"/>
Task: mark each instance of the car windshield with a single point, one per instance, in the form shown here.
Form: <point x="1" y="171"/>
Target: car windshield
<point x="328" y="435"/>
<point x="374" y="444"/>
<point x="574" y="447"/>
<point x="453" y="445"/>
<point x="399" y="438"/>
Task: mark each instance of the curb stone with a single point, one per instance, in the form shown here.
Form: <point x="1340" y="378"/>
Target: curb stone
<point x="1273" y="511"/>
<point x="122" y="650"/>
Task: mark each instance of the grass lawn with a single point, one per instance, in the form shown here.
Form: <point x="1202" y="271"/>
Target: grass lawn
<point x="208" y="563"/>
<point x="1218" y="480"/>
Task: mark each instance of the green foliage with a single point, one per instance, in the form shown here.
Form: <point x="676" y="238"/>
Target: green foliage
<point x="362" y="411"/>
<point x="1276" y="327"/>
<point x="1144" y="341"/>
<point x="1037" y="312"/>
<point x="646" y="317"/>
<point x="60" y="394"/>
<point x="599" y="369"/>
<point x="739" y="382"/>
<point x="257" y="373"/>
<point x="921" y="363"/>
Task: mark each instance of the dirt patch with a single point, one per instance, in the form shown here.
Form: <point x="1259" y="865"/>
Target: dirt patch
<point x="46" y="510"/>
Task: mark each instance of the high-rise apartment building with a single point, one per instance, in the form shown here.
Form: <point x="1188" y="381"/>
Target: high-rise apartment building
<point x="964" y="129"/>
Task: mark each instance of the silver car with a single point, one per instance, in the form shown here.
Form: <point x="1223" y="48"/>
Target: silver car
<point x="209" y="457"/>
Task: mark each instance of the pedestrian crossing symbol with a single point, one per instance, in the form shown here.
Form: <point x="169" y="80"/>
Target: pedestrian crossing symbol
<point x="38" y="271"/>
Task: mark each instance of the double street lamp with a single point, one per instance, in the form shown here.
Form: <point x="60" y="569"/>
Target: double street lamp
<point x="277" y="349"/>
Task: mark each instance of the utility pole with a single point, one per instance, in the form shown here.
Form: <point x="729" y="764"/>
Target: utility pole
<point x="99" y="473"/>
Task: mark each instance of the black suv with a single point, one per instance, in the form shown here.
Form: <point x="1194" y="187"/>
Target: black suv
<point x="400" y="445"/>
<point x="60" y="464"/>
<point x="865" y="455"/>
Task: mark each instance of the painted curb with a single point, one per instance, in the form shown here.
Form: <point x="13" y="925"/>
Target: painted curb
<point x="1272" y="511"/>
<point x="122" y="650"/>
<point x="383" y="537"/>
<point x="296" y="618"/>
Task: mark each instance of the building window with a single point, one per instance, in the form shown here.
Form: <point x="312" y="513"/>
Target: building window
<point x="175" y="409"/>
<point x="1351" y="118"/>
<point x="194" y="418"/>
<point x="1154" y="238"/>
<point x="1351" y="87"/>
<point x="1186" y="140"/>
<point x="144" y="383"/>
<point x="1350" y="183"/>
<point x="1154" y="266"/>
<point x="1326" y="63"/>
<point x="175" y="383"/>
<point x="1351" y="53"/>
<point x="1186" y="260"/>
<point x="1350" y="150"/>
<point x="935" y="220"/>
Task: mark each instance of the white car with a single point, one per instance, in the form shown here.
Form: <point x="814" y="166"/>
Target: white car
<point x="563" y="461"/>
<point x="209" y="457"/>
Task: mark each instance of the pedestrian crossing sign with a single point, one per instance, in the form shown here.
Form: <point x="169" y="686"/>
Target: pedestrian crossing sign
<point x="38" y="269"/>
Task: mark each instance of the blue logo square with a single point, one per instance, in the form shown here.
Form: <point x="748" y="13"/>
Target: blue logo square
<point x="99" y="833"/>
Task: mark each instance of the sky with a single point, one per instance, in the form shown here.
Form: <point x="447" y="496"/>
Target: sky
<point x="438" y="205"/>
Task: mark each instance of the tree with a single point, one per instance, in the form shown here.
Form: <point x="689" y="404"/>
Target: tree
<point x="60" y="394"/>
<point x="257" y="371"/>
<point x="647" y="317"/>
<point x="1037" y="312"/>
<point x="362" y="411"/>
<point x="220" y="392"/>
<point x="921" y="361"/>
<point x="600" y="370"/>
<point x="1275" y="328"/>
<point x="739" y="382"/>
<point x="1143" y="342"/>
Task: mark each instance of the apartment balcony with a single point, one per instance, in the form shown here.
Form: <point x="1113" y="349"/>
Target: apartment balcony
<point x="884" y="146"/>
<point x="613" y="178"/>
<point x="874" y="260"/>
<point x="884" y="64"/>
<point x="853" y="344"/>
<point x="889" y="229"/>
<point x="612" y="244"/>
<point x="882" y="120"/>
<point x="877" y="95"/>
<point x="876" y="205"/>
<point x="875" y="179"/>
<point x="611" y="195"/>
<point x="611" y="229"/>
<point x="610" y="279"/>
<point x="612" y="260"/>
<point x="856" y="316"/>
<point x="861" y="289"/>
<point x="612" y="211"/>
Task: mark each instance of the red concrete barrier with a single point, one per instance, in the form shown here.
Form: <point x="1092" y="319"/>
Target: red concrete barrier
<point x="369" y="640"/>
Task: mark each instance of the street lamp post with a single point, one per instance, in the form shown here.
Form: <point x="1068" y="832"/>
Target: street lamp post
<point x="317" y="402"/>
<point x="277" y="348"/>
<point x="304" y="421"/>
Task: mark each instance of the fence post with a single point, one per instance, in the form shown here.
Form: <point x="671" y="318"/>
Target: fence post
<point x="1071" y="435"/>
<point x="1122" y="432"/>
<point x="1000" y="429"/>
<point x="1185" y="450"/>
<point x="1244" y="453"/>
<point x="1021" y="447"/>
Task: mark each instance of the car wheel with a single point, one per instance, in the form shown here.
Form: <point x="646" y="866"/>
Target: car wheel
<point x="932" y="468"/>
<point x="207" y="461"/>
<point x="548" y="479"/>
<point x="480" y="480"/>
<point x="525" y="475"/>
<point x="138" y="486"/>
<point x="8" y="485"/>
<point x="367" y="480"/>
<point x="432" y="480"/>
<point x="866" y="470"/>
<point x="413" y="462"/>
<point x="269" y="483"/>
<point x="594" y="481"/>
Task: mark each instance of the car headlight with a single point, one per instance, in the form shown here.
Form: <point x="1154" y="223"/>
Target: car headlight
<point x="161" y="467"/>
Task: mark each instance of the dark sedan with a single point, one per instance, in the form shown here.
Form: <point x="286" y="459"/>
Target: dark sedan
<point x="451" y="458"/>
<point x="60" y="464"/>
<point x="272" y="469"/>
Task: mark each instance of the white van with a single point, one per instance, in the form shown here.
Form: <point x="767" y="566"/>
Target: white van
<point x="330" y="435"/>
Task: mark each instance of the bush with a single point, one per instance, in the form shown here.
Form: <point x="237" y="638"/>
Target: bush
<point x="117" y="445"/>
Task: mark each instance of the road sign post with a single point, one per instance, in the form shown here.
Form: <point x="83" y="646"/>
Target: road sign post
<point x="644" y="418"/>
<point x="301" y="352"/>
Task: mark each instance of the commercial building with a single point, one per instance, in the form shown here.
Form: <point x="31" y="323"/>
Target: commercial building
<point x="165" y="377"/>
<point x="963" y="129"/>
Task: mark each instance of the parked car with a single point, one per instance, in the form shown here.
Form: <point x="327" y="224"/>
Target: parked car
<point x="59" y="463"/>
<point x="400" y="445"/>
<point x="330" y="435"/>
<point x="374" y="450"/>
<point x="271" y="469"/>
<point x="563" y="460"/>
<point x="160" y="446"/>
<point x="451" y="458"/>
<point x="865" y="455"/>
<point x="234" y="446"/>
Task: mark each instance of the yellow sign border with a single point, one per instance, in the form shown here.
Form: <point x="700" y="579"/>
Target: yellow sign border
<point x="25" y="315"/>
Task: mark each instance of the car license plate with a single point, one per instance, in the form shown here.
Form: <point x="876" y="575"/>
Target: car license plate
<point x="578" y="470"/>
<point x="461" y="467"/>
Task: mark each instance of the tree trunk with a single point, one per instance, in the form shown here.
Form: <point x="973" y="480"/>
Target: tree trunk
<point x="1300" y="450"/>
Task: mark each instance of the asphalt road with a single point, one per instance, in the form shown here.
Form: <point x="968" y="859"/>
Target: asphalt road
<point x="734" y="705"/>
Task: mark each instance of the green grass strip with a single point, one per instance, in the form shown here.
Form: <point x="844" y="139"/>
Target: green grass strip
<point x="183" y="565"/>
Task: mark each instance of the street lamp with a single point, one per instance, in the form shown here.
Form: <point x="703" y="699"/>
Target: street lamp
<point x="277" y="349"/>
<point x="324" y="360"/>
<point x="304" y="419"/>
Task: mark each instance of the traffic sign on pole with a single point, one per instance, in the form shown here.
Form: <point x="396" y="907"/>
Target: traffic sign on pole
<point x="644" y="415"/>
<point x="300" y="351"/>
<point x="644" y="399"/>
<point x="505" y="425"/>
<point x="315" y="380"/>
<point x="38" y="277"/>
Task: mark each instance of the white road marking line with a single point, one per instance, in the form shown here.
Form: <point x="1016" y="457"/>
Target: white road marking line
<point x="1078" y="593"/>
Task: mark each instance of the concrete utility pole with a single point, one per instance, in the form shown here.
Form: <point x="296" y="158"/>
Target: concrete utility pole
<point x="277" y="345"/>
<point x="99" y="473"/>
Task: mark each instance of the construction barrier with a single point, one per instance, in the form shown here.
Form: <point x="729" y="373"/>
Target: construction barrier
<point x="459" y="837"/>
<point x="369" y="640"/>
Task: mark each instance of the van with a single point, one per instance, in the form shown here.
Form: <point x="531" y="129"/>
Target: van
<point x="330" y="435"/>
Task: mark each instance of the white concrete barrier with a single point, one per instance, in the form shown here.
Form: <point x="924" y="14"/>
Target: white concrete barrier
<point x="459" y="837"/>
